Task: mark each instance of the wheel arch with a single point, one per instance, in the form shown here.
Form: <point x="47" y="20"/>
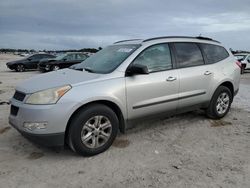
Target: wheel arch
<point x="108" y="103"/>
<point x="20" y="64"/>
<point x="24" y="65"/>
<point x="229" y="85"/>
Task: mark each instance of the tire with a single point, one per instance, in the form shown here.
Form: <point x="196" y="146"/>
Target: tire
<point x="20" y="68"/>
<point x="220" y="103"/>
<point x="93" y="130"/>
<point x="55" y="68"/>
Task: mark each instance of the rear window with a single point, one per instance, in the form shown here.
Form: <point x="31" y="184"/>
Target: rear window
<point x="214" y="53"/>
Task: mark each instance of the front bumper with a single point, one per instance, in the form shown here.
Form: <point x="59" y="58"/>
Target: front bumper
<point x="11" y="67"/>
<point x="56" y="116"/>
<point x="49" y="140"/>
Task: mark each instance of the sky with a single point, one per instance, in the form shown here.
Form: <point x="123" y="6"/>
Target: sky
<point x="76" y="24"/>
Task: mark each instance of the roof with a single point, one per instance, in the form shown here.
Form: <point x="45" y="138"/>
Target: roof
<point x="136" y="41"/>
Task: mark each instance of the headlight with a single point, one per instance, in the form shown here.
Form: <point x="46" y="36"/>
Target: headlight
<point x="49" y="96"/>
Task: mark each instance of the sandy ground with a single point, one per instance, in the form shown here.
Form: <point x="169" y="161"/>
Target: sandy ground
<point x="187" y="150"/>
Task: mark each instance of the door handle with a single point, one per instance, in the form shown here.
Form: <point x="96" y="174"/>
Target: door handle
<point x="207" y="73"/>
<point x="171" y="78"/>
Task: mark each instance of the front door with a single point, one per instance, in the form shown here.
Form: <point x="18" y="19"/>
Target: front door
<point x="156" y="92"/>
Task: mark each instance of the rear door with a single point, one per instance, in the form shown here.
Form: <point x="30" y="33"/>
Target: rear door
<point x="195" y="77"/>
<point x="156" y="92"/>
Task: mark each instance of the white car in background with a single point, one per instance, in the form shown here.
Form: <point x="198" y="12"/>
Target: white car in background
<point x="244" y="58"/>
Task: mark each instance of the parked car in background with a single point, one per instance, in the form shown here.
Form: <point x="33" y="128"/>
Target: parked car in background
<point x="62" y="61"/>
<point x="244" y="58"/>
<point x="128" y="80"/>
<point x="30" y="62"/>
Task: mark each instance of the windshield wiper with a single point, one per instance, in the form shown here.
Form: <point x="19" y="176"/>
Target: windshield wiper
<point x="88" y="69"/>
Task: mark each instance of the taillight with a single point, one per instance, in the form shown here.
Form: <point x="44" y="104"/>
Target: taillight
<point x="238" y="63"/>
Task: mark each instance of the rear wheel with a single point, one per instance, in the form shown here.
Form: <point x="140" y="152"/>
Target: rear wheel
<point x="55" y="67"/>
<point x="93" y="130"/>
<point x="20" y="68"/>
<point x="220" y="103"/>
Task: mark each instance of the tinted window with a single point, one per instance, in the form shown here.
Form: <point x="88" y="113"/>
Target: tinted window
<point x="36" y="56"/>
<point x="156" y="58"/>
<point x="214" y="53"/>
<point x="47" y="56"/>
<point x="188" y="54"/>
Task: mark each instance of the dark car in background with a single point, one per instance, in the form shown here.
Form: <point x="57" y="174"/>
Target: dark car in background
<point x="30" y="62"/>
<point x="62" y="61"/>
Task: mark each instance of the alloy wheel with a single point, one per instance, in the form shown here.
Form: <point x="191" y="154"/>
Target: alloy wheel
<point x="20" y="68"/>
<point x="55" y="68"/>
<point x="96" y="132"/>
<point x="223" y="102"/>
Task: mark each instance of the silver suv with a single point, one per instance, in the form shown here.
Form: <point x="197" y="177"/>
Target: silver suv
<point x="85" y="107"/>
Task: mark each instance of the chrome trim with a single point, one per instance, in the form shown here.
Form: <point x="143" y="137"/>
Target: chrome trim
<point x="169" y="100"/>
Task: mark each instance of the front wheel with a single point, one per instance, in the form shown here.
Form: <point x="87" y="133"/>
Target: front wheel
<point x="93" y="130"/>
<point x="20" y="68"/>
<point x="220" y="103"/>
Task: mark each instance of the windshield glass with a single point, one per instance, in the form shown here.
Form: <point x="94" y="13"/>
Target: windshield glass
<point x="107" y="59"/>
<point x="60" y="57"/>
<point x="240" y="57"/>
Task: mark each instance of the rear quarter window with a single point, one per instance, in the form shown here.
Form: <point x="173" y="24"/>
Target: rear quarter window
<point x="214" y="53"/>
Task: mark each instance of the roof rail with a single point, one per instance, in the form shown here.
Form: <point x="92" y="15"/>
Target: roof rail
<point x="126" y="40"/>
<point x="166" y="37"/>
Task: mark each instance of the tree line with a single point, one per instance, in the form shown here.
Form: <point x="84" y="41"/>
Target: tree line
<point x="12" y="50"/>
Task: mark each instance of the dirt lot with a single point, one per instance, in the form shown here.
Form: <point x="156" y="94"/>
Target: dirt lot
<point x="187" y="150"/>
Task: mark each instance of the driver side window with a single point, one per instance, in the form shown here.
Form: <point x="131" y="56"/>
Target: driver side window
<point x="156" y="58"/>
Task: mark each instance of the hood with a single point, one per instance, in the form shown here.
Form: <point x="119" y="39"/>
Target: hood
<point x="14" y="62"/>
<point x="56" y="79"/>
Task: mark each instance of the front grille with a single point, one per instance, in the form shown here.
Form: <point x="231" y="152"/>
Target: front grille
<point x="19" y="96"/>
<point x="13" y="110"/>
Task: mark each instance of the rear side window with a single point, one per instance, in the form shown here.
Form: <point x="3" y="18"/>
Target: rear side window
<point x="214" y="53"/>
<point x="188" y="55"/>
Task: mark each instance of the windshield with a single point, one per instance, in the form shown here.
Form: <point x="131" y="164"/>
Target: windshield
<point x="240" y="57"/>
<point x="107" y="59"/>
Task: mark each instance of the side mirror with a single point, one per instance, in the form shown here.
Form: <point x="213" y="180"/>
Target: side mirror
<point x="248" y="60"/>
<point x="137" y="69"/>
<point x="64" y="59"/>
<point x="29" y="59"/>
